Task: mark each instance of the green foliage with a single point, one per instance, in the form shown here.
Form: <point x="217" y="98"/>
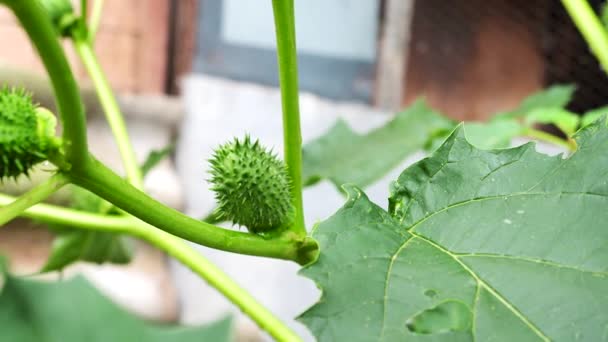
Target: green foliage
<point x="543" y="107"/>
<point x="492" y="134"/>
<point x="27" y="133"/>
<point x="557" y="96"/>
<point x="73" y="245"/>
<point x="592" y="115"/>
<point x="511" y="240"/>
<point x="61" y="14"/>
<point x="74" y="311"/>
<point x="251" y="186"/>
<point x="604" y="14"/>
<point x="343" y="156"/>
<point x="155" y="157"/>
<point x="566" y="121"/>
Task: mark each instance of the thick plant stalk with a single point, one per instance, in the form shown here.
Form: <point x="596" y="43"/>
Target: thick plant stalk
<point x="590" y="27"/>
<point x="36" y="23"/>
<point x="284" y="21"/>
<point x="100" y="180"/>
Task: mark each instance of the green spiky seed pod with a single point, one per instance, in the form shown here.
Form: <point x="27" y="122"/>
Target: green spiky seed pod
<point x="27" y="133"/>
<point x="251" y="186"/>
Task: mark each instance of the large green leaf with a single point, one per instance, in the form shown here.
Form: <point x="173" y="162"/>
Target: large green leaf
<point x="73" y="311"/>
<point x="503" y="245"/>
<point x="344" y="156"/>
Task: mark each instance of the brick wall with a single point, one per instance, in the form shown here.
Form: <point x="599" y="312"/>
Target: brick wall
<point x="131" y="45"/>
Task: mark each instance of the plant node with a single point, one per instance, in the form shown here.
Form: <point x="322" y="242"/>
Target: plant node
<point x="251" y="186"/>
<point x="62" y="16"/>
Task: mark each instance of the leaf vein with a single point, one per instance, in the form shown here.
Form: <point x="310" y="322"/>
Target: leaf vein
<point x="490" y="289"/>
<point x="387" y="280"/>
<point x="528" y="259"/>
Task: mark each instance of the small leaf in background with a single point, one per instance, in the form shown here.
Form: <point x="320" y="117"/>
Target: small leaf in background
<point x="592" y="115"/>
<point x="515" y="237"/>
<point x="492" y="134"/>
<point x="97" y="247"/>
<point x="557" y="96"/>
<point x="73" y="245"/>
<point x="344" y="156"/>
<point x="74" y="311"/>
<point x="155" y="157"/>
<point x="566" y="121"/>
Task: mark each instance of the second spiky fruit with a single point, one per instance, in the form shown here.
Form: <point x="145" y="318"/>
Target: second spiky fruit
<point x="252" y="186"/>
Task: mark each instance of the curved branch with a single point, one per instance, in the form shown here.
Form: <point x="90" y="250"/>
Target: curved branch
<point x="102" y="181"/>
<point x="173" y="246"/>
<point x="32" y="197"/>
<point x="38" y="26"/>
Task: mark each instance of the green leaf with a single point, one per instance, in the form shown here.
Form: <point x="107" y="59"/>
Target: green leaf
<point x="74" y="311"/>
<point x="518" y="237"/>
<point x="604" y="14"/>
<point x="73" y="245"/>
<point x="97" y="247"/>
<point x="566" y="121"/>
<point x="557" y="96"/>
<point x="344" y="156"/>
<point x="155" y="157"/>
<point x="493" y="134"/>
<point x="592" y="115"/>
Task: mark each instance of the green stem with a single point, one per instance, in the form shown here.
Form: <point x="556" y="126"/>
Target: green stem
<point x="38" y="26"/>
<point x="219" y="280"/>
<point x="32" y="197"/>
<point x="590" y="27"/>
<point x="83" y="9"/>
<point x="97" y="178"/>
<point x="172" y="246"/>
<point x="95" y="20"/>
<point x="570" y="144"/>
<point x="112" y="111"/>
<point x="284" y="22"/>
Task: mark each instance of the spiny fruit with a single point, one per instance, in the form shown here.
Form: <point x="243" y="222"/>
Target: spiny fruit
<point x="27" y="133"/>
<point x="251" y="186"/>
